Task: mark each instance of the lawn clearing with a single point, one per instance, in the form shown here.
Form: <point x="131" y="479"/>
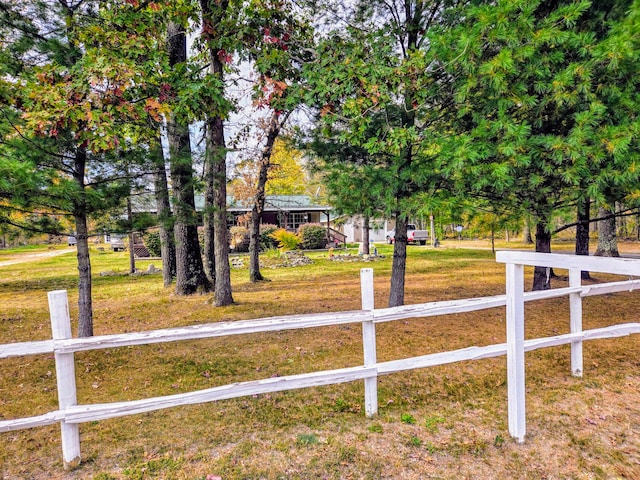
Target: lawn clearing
<point x="577" y="428"/>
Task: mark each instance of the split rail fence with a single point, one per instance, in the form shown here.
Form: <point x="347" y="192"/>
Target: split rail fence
<point x="63" y="346"/>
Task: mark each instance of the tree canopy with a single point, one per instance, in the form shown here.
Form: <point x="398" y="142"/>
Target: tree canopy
<point x="519" y="107"/>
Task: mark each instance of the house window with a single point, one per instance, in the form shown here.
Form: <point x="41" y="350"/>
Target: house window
<point x="295" y="219"/>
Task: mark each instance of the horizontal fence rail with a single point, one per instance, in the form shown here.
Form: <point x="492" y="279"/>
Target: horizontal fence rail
<point x="70" y="414"/>
<point x="273" y="324"/>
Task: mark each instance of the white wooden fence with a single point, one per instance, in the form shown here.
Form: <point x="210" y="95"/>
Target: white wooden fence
<point x="70" y="414"/>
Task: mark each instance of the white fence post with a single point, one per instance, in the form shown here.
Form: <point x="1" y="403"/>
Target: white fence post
<point x="575" y="309"/>
<point x="369" y="342"/>
<point x="515" y="351"/>
<point x="65" y="376"/>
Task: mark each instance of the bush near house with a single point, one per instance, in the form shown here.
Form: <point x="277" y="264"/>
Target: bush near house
<point x="239" y="238"/>
<point x="267" y="241"/>
<point x="286" y="240"/>
<point x="312" y="236"/>
<point x="152" y="242"/>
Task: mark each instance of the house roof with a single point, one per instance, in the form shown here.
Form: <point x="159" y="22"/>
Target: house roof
<point x="278" y="203"/>
<point x="273" y="203"/>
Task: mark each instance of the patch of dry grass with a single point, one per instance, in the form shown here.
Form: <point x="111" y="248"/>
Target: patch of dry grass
<point x="577" y="428"/>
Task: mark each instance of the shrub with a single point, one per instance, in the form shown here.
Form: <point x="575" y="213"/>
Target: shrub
<point x="312" y="236"/>
<point x="152" y="242"/>
<point x="239" y="239"/>
<point x="267" y="241"/>
<point x="286" y="240"/>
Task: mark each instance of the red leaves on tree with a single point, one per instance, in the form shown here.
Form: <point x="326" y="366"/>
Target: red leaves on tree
<point x="270" y="39"/>
<point x="166" y="92"/>
<point x="271" y="90"/>
<point x="224" y="56"/>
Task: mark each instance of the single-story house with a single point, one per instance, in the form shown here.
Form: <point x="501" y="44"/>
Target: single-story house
<point x="285" y="211"/>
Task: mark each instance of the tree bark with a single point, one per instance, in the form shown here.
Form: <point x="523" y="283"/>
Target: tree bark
<point x="223" y="295"/>
<point x="526" y="232"/>
<point x="365" y="235"/>
<point x="398" y="268"/>
<point x="275" y="125"/>
<point x="542" y="275"/>
<point x="582" y="232"/>
<point x="165" y="218"/>
<point x="216" y="229"/>
<point x="190" y="275"/>
<point x="607" y="240"/>
<point x="132" y="235"/>
<point x="208" y="215"/>
<point x="85" y="304"/>
<point x="255" y="275"/>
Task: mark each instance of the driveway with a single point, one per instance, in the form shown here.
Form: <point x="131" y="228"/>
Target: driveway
<point x="29" y="257"/>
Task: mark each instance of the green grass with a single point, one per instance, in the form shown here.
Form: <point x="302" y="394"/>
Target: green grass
<point x="458" y="411"/>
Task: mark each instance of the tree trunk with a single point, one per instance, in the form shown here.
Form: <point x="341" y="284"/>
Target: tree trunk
<point x="254" y="245"/>
<point x="223" y="294"/>
<point x="165" y="218"/>
<point x="216" y="229"/>
<point x="542" y="275"/>
<point x="432" y="230"/>
<point x="526" y="232"/>
<point x="209" y="209"/>
<point x="85" y="308"/>
<point x="132" y="236"/>
<point x="365" y="235"/>
<point x="607" y="240"/>
<point x="398" y="268"/>
<point x="582" y="232"/>
<point x="493" y="239"/>
<point x="275" y="125"/>
<point x="190" y="276"/>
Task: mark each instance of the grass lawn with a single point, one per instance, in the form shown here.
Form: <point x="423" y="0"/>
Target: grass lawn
<point x="446" y="422"/>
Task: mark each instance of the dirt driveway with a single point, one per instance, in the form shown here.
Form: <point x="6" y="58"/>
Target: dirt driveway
<point x="28" y="257"/>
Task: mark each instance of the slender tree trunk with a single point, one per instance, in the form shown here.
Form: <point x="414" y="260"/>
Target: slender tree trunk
<point x="254" y="245"/>
<point x="493" y="239"/>
<point x="526" y="232"/>
<point x="542" y="275"/>
<point x="398" y="268"/>
<point x="190" y="275"/>
<point x="275" y="125"/>
<point x="85" y="306"/>
<point x="223" y="294"/>
<point x="165" y="218"/>
<point x="209" y="210"/>
<point x="607" y="240"/>
<point x="217" y="258"/>
<point x="365" y="235"/>
<point x="132" y="236"/>
<point x="432" y="229"/>
<point x="582" y="232"/>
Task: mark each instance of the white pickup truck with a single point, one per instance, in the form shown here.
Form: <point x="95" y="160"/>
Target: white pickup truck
<point x="413" y="235"/>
